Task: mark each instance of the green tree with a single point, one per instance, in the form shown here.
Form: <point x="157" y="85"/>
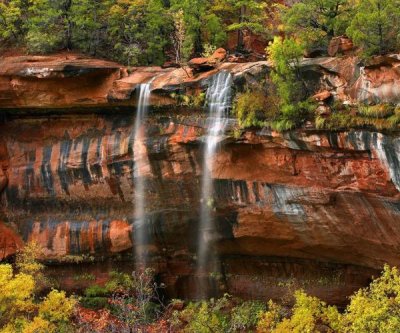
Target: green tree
<point x="139" y="31"/>
<point x="290" y="89"/>
<point x="214" y="33"/>
<point x="48" y="25"/>
<point x="315" y="22"/>
<point x="88" y="19"/>
<point x="376" y="26"/>
<point x="204" y="29"/>
<point x="10" y="19"/>
<point x="194" y="12"/>
<point x="243" y="16"/>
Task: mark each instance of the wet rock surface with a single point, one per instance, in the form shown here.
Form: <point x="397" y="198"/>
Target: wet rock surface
<point x="322" y="207"/>
<point x="71" y="81"/>
<point x="283" y="202"/>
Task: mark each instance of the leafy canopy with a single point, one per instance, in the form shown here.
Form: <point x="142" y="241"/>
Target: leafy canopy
<point x="376" y="26"/>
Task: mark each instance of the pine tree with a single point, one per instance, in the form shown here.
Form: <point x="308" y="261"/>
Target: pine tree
<point x="316" y="22"/>
<point x="376" y="26"/>
<point x="88" y="19"/>
<point x="194" y="13"/>
<point x="48" y="26"/>
<point x="139" y="31"/>
<point x="244" y="16"/>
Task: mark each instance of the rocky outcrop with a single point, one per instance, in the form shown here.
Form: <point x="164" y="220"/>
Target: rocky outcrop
<point x="351" y="81"/>
<point x="340" y="45"/>
<point x="283" y="201"/>
<point x="69" y="81"/>
<point x="206" y="64"/>
<point x="311" y="204"/>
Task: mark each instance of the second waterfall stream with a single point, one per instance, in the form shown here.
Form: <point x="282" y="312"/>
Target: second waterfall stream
<point x="218" y="102"/>
<point x="140" y="233"/>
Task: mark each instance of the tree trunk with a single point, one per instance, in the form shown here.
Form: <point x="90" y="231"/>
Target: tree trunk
<point x="240" y="45"/>
<point x="68" y="29"/>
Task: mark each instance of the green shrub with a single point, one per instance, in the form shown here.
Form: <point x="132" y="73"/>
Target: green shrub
<point x="341" y="120"/>
<point x="95" y="303"/>
<point x="376" y="111"/>
<point x="195" y="100"/>
<point x="120" y="281"/>
<point x="254" y="108"/>
<point x="95" y="291"/>
<point x="204" y="317"/>
<point x="293" y="116"/>
<point x="246" y="315"/>
<point x="85" y="277"/>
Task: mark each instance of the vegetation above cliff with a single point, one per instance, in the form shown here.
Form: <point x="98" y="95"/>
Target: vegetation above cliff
<point x="131" y="31"/>
<point x="149" y="32"/>
<point x="137" y="32"/>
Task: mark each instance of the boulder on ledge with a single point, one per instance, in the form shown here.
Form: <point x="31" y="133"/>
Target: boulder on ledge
<point x="206" y="64"/>
<point x="340" y="45"/>
<point x="322" y="96"/>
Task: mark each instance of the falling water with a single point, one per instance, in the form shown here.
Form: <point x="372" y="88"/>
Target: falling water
<point x="218" y="99"/>
<point x="139" y="177"/>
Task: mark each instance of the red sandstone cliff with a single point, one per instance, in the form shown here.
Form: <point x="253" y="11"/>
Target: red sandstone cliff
<point x="293" y="203"/>
<point x="72" y="81"/>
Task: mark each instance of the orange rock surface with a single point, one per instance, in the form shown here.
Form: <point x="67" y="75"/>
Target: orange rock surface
<point x="293" y="203"/>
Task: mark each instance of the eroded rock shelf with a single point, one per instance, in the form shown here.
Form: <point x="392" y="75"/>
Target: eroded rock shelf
<point x="303" y="203"/>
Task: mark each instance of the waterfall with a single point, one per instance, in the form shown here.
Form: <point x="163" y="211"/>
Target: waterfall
<point x="140" y="230"/>
<point x="219" y="101"/>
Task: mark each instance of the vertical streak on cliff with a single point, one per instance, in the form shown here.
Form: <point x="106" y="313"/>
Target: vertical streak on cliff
<point x="218" y="99"/>
<point x="140" y="230"/>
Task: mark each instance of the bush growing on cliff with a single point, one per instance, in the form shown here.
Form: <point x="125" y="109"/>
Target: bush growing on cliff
<point x="380" y="117"/>
<point x="255" y="108"/>
<point x="290" y="89"/>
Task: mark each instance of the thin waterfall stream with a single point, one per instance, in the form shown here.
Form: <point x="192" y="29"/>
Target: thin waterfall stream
<point x="219" y="101"/>
<point x="140" y="229"/>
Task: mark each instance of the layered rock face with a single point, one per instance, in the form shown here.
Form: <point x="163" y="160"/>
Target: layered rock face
<point x="69" y="81"/>
<point x="280" y="200"/>
<point x="320" y="206"/>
